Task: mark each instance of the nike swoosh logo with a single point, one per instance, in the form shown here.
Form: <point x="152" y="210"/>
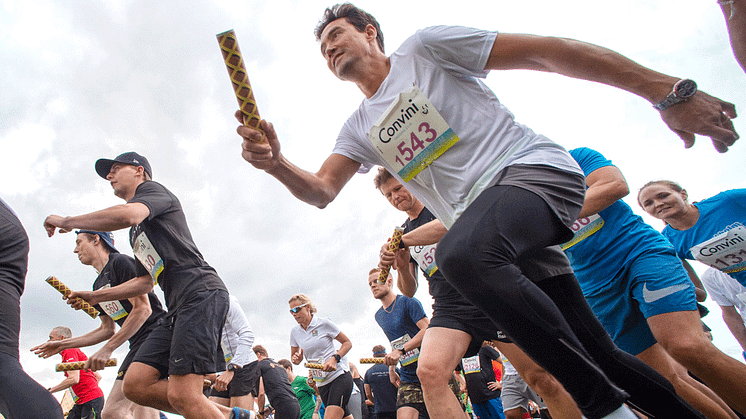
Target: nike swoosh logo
<point x="655" y="295"/>
<point x="177" y="360"/>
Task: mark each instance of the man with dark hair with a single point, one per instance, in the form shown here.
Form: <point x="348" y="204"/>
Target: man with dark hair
<point x="169" y="369"/>
<point x="136" y="317"/>
<point x="275" y="383"/>
<point x="303" y="392"/>
<point x="505" y="193"/>
<point x="20" y="395"/>
<point x="379" y="388"/>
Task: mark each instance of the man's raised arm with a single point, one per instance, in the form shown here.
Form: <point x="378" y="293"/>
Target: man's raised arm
<point x="701" y="114"/>
<point x="318" y="189"/>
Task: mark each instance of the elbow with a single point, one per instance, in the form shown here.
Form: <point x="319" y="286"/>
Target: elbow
<point x="619" y="189"/>
<point x="324" y="200"/>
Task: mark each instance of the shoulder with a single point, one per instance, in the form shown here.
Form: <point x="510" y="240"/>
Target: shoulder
<point x="122" y="261"/>
<point x="589" y="159"/>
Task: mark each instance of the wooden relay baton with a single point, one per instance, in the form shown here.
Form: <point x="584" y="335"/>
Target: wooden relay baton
<point x="393" y="247"/>
<point x="313" y="366"/>
<point x="240" y="79"/>
<point x="72" y="366"/>
<point x="371" y="360"/>
<point x="64" y="290"/>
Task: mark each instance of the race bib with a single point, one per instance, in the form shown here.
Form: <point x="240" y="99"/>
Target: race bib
<point x="318" y="375"/>
<point x="226" y="352"/>
<point x="425" y="258"/>
<point x="411" y="134"/>
<point x="146" y="254"/>
<point x="410" y="356"/>
<point x="471" y="364"/>
<point x="583" y="228"/>
<point x="726" y="251"/>
<point x="113" y="309"/>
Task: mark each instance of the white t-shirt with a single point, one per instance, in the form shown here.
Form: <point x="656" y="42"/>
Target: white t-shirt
<point x="725" y="290"/>
<point x="318" y="344"/>
<point x="238" y="338"/>
<point x="446" y="64"/>
<point x="508" y="368"/>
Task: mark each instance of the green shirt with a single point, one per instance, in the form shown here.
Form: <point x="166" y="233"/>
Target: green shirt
<point x="305" y="394"/>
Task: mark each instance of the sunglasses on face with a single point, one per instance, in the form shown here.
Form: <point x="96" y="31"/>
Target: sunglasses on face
<point x="297" y="308"/>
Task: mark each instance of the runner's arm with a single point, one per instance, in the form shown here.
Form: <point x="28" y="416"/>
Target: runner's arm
<point x="134" y="287"/>
<point x="606" y="185"/>
<point x="318" y="189"/>
<point x="135" y="319"/>
<point x="109" y="219"/>
<point x="429" y="233"/>
<point x="702" y="114"/>
<point x="734" y="321"/>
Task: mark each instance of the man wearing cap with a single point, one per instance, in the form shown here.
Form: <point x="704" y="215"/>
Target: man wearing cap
<point x="184" y="345"/>
<point x="379" y="388"/>
<point x="136" y="317"/>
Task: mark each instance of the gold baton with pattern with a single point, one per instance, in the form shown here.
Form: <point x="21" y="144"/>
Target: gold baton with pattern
<point x="313" y="366"/>
<point x="64" y="290"/>
<point x="72" y="366"/>
<point x="371" y="360"/>
<point x="393" y="247"/>
<point x="240" y="79"/>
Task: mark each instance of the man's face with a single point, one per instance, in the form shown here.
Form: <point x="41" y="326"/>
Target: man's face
<point x="85" y="249"/>
<point x="379" y="290"/>
<point x="343" y="46"/>
<point x="123" y="178"/>
<point x="53" y="336"/>
<point x="397" y="195"/>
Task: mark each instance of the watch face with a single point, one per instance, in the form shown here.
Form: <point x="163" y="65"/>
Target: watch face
<point x="685" y="88"/>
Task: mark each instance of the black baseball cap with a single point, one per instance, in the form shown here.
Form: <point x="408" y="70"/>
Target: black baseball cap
<point x="103" y="166"/>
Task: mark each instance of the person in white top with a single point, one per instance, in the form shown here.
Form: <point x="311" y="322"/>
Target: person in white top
<point x="505" y="193"/>
<point x="239" y="384"/>
<point x="730" y="295"/>
<point x="313" y="338"/>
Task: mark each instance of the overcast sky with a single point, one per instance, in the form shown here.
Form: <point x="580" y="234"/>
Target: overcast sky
<point x="89" y="79"/>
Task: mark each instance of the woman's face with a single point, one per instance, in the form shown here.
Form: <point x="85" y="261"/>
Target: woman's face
<point x="663" y="202"/>
<point x="301" y="311"/>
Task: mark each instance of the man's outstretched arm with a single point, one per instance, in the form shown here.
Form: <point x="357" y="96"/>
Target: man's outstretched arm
<point x="702" y="114"/>
<point x="318" y="189"/>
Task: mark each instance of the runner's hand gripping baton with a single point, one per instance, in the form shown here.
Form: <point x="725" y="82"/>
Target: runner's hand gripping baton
<point x="393" y="247"/>
<point x="64" y="290"/>
<point x="72" y="366"/>
<point x="240" y="79"/>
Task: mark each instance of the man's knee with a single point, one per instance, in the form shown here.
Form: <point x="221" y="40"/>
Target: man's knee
<point x="432" y="374"/>
<point x="116" y="411"/>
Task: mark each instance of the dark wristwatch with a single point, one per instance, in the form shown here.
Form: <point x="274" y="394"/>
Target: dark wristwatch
<point x="337" y="357"/>
<point x="682" y="90"/>
<point x="233" y="367"/>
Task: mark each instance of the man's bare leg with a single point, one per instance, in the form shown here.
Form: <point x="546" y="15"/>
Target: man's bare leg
<point x="559" y="402"/>
<point x="440" y="353"/>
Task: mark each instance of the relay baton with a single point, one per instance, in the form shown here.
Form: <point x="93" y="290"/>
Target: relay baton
<point x="393" y="247"/>
<point x="64" y="290"/>
<point x="240" y="79"/>
<point x="72" y="366"/>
